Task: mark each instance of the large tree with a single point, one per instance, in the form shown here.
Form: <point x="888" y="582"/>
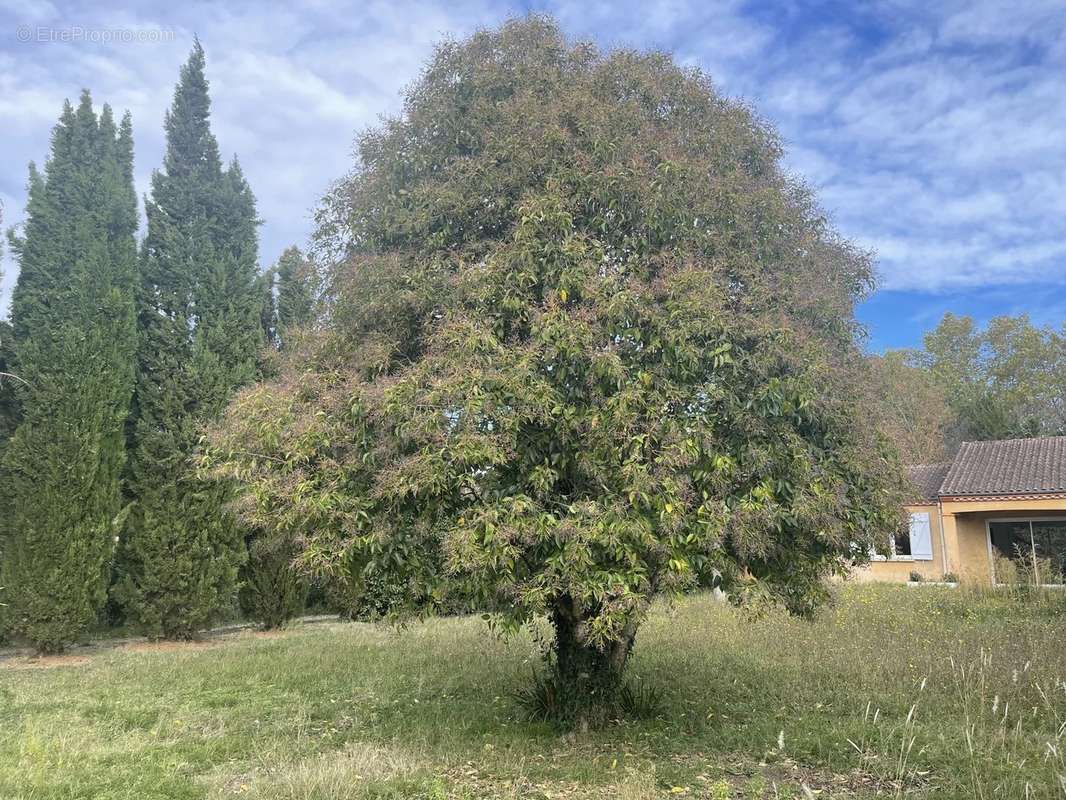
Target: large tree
<point x="72" y="315"/>
<point x="586" y="343"/>
<point x="910" y="404"/>
<point x="200" y="332"/>
<point x="1006" y="380"/>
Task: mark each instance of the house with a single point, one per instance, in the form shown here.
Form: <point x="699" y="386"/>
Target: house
<point x="995" y="514"/>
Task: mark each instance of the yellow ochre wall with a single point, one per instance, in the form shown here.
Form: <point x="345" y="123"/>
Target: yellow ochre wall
<point x="958" y="529"/>
<point x="900" y="569"/>
<point x="967" y="535"/>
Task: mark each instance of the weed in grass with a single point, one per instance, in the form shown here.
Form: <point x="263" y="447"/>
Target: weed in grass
<point x="640" y="700"/>
<point x="357" y="771"/>
<point x="1001" y="721"/>
<point x="541" y="700"/>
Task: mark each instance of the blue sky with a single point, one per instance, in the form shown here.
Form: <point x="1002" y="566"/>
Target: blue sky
<point x="933" y="133"/>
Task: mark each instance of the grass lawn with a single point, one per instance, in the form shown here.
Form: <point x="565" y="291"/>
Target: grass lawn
<point x="894" y="691"/>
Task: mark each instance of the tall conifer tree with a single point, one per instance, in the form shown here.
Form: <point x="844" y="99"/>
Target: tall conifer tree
<point x="74" y="339"/>
<point x="296" y="290"/>
<point x="199" y="323"/>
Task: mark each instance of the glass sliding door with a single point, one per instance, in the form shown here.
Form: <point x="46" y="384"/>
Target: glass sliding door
<point x="1049" y="544"/>
<point x="1029" y="550"/>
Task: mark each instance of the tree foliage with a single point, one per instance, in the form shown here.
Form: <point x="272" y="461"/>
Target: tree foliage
<point x="911" y="405"/>
<point x="1008" y="380"/>
<point x="8" y="400"/>
<point x="73" y="334"/>
<point x="586" y="343"/>
<point x="297" y="290"/>
<point x="9" y="413"/>
<point x="200" y="333"/>
<point x="272" y="590"/>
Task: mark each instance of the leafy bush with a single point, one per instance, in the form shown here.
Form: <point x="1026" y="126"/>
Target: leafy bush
<point x="366" y="597"/>
<point x="272" y="592"/>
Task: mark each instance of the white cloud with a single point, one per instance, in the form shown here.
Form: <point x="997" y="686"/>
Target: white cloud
<point x="932" y="132"/>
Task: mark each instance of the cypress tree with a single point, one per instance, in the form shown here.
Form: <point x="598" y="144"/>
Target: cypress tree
<point x="296" y="290"/>
<point x="74" y="338"/>
<point x="198" y="317"/>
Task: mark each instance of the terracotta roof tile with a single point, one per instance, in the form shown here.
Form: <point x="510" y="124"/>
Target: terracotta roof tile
<point x="1009" y="466"/>
<point x="927" y="479"/>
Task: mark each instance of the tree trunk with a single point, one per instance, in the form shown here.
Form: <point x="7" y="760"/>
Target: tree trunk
<point x="589" y="679"/>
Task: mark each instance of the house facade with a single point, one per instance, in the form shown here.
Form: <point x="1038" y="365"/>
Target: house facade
<point x="995" y="514"/>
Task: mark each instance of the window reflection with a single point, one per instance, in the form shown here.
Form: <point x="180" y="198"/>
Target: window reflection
<point x="1034" y="549"/>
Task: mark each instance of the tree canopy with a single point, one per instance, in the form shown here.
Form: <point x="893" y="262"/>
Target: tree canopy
<point x="1006" y="380"/>
<point x="584" y="342"/>
<point x="910" y="403"/>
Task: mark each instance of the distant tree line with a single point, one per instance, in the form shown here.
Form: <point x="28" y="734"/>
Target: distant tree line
<point x="122" y="354"/>
<point x="1006" y="380"/>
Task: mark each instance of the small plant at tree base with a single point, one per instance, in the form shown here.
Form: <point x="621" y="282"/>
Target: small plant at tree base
<point x="587" y="344"/>
<point x="548" y="697"/>
<point x="640" y="700"/>
<point x="540" y="699"/>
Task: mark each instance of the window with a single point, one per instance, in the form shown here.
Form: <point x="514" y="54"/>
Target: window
<point x="901" y="544"/>
<point x="915" y="544"/>
<point x="1029" y="550"/>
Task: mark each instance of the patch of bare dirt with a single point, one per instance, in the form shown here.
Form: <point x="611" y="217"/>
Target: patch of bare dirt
<point x="167" y="647"/>
<point x="44" y="662"/>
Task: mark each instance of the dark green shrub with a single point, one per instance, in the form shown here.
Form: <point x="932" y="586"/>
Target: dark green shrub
<point x="366" y="597"/>
<point x="272" y="591"/>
